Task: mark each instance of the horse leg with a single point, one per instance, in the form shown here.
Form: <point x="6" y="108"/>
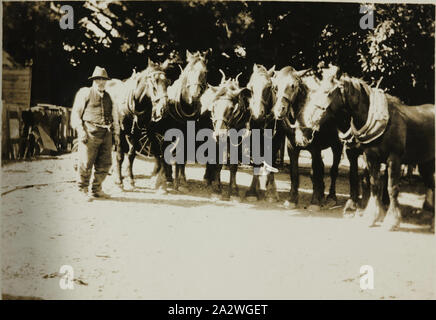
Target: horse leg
<point x="232" y="190"/>
<point x="208" y="174"/>
<point x="119" y="152"/>
<point x="294" y="154"/>
<point x="317" y="176"/>
<point x="426" y="170"/>
<point x="366" y="187"/>
<point x="337" y="152"/>
<point x="183" y="184"/>
<point x="374" y="209"/>
<point x="180" y="183"/>
<point x="130" y="157"/>
<point x="252" y="193"/>
<point x="385" y="193"/>
<point x="157" y="166"/>
<point x="353" y="177"/>
<point x="176" y="177"/>
<point x="216" y="181"/>
<point x="271" y="188"/>
<point x="393" y="215"/>
<point x="161" y="180"/>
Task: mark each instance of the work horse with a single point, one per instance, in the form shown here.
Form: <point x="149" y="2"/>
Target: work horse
<point x="183" y="106"/>
<point x="138" y="100"/>
<point x="226" y="108"/>
<point x="292" y="91"/>
<point x="388" y="131"/>
<point x="261" y="100"/>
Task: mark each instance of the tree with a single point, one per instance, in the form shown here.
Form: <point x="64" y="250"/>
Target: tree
<point x="123" y="35"/>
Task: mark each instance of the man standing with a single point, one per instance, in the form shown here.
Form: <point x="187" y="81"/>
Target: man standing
<point x="95" y="119"/>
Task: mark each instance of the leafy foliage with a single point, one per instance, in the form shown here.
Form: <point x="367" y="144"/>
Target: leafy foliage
<point x="123" y="35"/>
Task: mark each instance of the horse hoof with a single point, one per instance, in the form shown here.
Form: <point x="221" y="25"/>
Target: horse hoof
<point x="331" y="202"/>
<point x="161" y="191"/>
<point x="372" y="221"/>
<point x="391" y="223"/>
<point x="350" y="205"/>
<point x="251" y="198"/>
<point x="391" y="226"/>
<point x="130" y="187"/>
<point x="314" y="207"/>
<point x="290" y="205"/>
<point x="183" y="189"/>
<point x="235" y="199"/>
<point x="225" y="197"/>
<point x="349" y="215"/>
<point x="153" y="180"/>
<point x="215" y="196"/>
<point x="271" y="199"/>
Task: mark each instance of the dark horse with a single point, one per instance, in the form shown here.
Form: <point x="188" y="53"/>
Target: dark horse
<point x="226" y="107"/>
<point x="292" y="91"/>
<point x="388" y="131"/>
<point x="183" y="106"/>
<point x="138" y="99"/>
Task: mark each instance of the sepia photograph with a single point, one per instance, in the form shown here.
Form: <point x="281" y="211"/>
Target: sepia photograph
<point x="217" y="150"/>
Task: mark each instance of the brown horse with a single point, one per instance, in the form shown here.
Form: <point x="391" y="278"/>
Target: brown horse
<point x="292" y="91"/>
<point x="138" y="99"/>
<point x="261" y="101"/>
<point x="388" y="131"/>
<point x="184" y="105"/>
<point x="227" y="107"/>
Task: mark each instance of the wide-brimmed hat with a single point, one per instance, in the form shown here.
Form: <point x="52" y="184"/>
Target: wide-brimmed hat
<point x="99" y="73"/>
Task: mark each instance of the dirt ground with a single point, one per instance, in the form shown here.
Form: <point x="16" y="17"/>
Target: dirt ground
<point x="140" y="245"/>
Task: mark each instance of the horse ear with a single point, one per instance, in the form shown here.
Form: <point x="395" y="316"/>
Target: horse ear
<point x="150" y="62"/>
<point x="301" y="73"/>
<point x="188" y="54"/>
<point x="206" y="52"/>
<point x="272" y="70"/>
<point x="237" y="78"/>
<point x="255" y="67"/>
<point x="223" y="79"/>
<point x="165" y="64"/>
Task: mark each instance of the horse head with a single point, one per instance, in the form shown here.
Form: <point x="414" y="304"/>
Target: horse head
<point x="152" y="83"/>
<point x="322" y="102"/>
<point x="227" y="104"/>
<point x="261" y="94"/>
<point x="194" y="77"/>
<point x="291" y="88"/>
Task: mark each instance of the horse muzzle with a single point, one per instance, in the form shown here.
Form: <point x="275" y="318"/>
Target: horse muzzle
<point x="304" y="136"/>
<point x="220" y="134"/>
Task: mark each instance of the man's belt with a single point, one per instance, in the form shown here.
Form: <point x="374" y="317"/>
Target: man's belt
<point x="104" y="126"/>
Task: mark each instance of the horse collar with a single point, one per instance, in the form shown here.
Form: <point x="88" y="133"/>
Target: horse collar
<point x="377" y="119"/>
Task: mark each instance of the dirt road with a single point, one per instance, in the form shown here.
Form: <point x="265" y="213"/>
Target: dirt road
<point x="140" y="245"/>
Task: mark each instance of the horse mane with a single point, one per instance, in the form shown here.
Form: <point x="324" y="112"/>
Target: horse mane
<point x="262" y="70"/>
<point x="302" y="95"/>
<point x="175" y="90"/>
<point x="358" y="84"/>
